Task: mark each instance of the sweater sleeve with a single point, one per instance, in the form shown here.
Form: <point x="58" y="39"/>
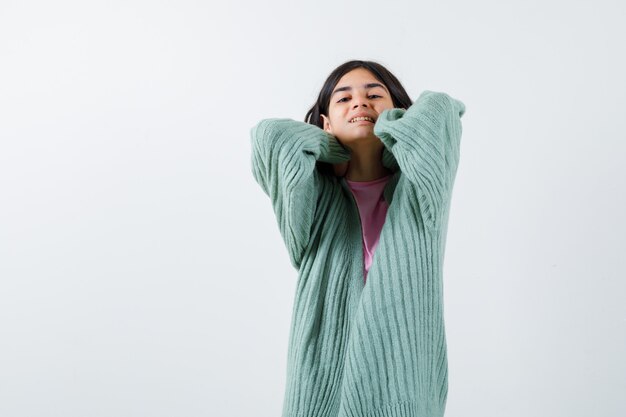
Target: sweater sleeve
<point x="284" y="152"/>
<point x="425" y="140"/>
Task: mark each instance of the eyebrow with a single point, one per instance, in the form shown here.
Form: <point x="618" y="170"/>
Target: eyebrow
<point x="366" y="86"/>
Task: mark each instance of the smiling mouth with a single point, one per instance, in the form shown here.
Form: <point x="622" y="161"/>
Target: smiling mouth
<point x="362" y="120"/>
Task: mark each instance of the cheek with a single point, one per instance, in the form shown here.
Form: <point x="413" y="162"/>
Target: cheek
<point x="386" y="106"/>
<point x="335" y="119"/>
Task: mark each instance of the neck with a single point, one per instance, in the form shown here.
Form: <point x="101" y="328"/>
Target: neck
<point x="366" y="164"/>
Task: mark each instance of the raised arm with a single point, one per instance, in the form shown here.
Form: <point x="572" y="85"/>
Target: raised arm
<point x="284" y="152"/>
<point x="424" y="140"/>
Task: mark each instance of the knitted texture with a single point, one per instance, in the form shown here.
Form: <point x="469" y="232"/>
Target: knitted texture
<point x="376" y="349"/>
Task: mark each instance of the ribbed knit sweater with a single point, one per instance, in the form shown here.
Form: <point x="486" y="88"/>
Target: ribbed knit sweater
<point x="376" y="349"/>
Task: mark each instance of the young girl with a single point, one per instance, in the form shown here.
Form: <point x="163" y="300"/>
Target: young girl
<point x="361" y="193"/>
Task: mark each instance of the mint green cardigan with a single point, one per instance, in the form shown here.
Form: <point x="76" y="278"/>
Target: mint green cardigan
<point x="376" y="349"/>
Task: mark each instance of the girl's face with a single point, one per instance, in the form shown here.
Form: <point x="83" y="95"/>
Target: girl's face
<point x="358" y="93"/>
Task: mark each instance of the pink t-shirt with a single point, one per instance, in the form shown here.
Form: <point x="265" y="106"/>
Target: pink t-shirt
<point x="372" y="211"/>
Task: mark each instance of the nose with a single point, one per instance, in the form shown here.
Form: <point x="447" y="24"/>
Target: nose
<point x="360" y="100"/>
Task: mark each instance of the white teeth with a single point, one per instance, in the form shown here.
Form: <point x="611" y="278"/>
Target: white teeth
<point x="358" y="119"/>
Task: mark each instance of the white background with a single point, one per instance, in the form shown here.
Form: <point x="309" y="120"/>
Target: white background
<point x="142" y="272"/>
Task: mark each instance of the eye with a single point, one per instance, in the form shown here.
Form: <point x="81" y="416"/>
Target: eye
<point x="370" y="96"/>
